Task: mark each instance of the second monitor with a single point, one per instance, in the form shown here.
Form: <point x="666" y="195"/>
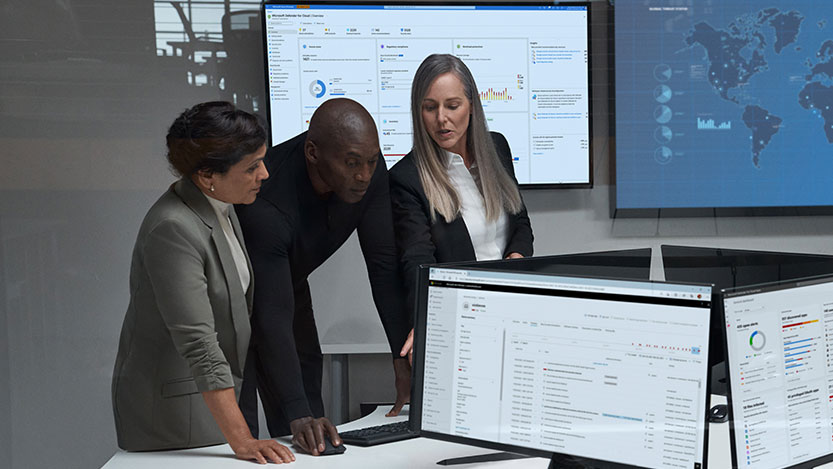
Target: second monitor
<point x="731" y="268"/>
<point x="779" y="340"/>
<point x="613" y="371"/>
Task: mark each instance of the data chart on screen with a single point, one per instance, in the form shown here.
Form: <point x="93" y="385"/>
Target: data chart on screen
<point x="530" y="62"/>
<point x="779" y="341"/>
<point x="723" y="103"/>
<point x="609" y="370"/>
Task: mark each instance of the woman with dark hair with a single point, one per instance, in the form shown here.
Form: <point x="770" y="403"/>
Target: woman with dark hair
<point x="186" y="332"/>
<point x="454" y="196"/>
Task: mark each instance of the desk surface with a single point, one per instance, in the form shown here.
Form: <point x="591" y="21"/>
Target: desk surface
<point x="415" y="453"/>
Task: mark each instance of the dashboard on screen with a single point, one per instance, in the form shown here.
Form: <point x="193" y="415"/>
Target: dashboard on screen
<point x="530" y="62"/>
<point x="778" y="340"/>
<point x="723" y="104"/>
<point x="599" y="369"/>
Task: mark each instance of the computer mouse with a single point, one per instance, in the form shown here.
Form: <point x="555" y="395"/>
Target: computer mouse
<point x="719" y="413"/>
<point x="330" y="449"/>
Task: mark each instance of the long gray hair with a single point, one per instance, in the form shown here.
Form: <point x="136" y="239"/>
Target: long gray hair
<point x="499" y="190"/>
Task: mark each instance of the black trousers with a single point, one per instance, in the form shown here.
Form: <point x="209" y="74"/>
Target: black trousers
<point x="312" y="367"/>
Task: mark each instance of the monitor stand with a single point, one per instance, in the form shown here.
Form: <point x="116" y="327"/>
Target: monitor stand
<point x="556" y="462"/>
<point x="562" y="461"/>
<point x="719" y="385"/>
<point x="482" y="458"/>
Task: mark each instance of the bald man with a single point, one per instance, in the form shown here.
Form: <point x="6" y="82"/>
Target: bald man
<point x="324" y="184"/>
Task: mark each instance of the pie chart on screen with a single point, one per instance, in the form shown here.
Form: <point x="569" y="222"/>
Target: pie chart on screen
<point x="663" y="134"/>
<point x="757" y="341"/>
<point x="662" y="94"/>
<point x="663" y="155"/>
<point x="662" y="114"/>
<point x="317" y="88"/>
<point x="662" y="72"/>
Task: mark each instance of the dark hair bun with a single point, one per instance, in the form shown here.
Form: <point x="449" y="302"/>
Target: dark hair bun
<point x="212" y="137"/>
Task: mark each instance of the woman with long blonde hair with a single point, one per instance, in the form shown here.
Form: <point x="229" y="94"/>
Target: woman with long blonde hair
<point x="454" y="196"/>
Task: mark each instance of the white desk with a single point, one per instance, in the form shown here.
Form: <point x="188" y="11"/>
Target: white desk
<point x="415" y="453"/>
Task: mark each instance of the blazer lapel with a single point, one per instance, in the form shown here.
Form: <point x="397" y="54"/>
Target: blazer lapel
<point x="235" y="224"/>
<point x="239" y="301"/>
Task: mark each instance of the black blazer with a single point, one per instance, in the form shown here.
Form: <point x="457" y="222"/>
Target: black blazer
<point x="421" y="241"/>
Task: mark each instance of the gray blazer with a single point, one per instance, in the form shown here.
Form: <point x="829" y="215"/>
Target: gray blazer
<point x="186" y="329"/>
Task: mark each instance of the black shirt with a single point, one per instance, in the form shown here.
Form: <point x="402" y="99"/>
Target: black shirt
<point x="290" y="231"/>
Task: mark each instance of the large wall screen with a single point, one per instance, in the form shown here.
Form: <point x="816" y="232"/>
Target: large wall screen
<point x="530" y="62"/>
<point x="724" y="103"/>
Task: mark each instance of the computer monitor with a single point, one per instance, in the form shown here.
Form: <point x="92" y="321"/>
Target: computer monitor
<point x="729" y="268"/>
<point x="529" y="59"/>
<point x="596" y="370"/>
<point x="780" y="373"/>
<point x="632" y="264"/>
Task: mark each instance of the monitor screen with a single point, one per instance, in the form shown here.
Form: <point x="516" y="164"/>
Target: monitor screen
<point x="780" y="373"/>
<point x="723" y="103"/>
<point x="529" y="59"/>
<point x="564" y="366"/>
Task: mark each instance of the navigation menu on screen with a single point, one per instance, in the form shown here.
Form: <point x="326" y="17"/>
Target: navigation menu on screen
<point x="609" y="370"/>
<point x="781" y="373"/>
<point x="529" y="62"/>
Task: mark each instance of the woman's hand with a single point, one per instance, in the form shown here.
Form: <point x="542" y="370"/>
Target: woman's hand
<point x="223" y="406"/>
<point x="262" y="451"/>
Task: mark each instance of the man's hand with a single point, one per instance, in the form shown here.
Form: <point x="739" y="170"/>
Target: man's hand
<point x="514" y="255"/>
<point x="308" y="434"/>
<point x="262" y="451"/>
<point x="408" y="348"/>
<point x="402" y="371"/>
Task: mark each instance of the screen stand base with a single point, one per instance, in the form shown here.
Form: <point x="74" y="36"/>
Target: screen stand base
<point x="481" y="458"/>
<point x="561" y="461"/>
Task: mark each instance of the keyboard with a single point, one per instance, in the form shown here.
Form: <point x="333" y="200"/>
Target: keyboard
<point x="379" y="434"/>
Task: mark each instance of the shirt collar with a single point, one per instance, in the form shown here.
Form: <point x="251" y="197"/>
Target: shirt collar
<point x="455" y="159"/>
<point x="218" y="205"/>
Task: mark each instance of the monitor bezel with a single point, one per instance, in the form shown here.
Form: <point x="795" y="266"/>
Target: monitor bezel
<point x="404" y="4"/>
<point x="591" y="258"/>
<point x="726" y="257"/>
<point x="725" y="254"/>
<point x="568" y="460"/>
<point x="734" y="292"/>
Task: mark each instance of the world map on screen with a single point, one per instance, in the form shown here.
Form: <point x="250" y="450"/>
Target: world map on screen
<point x="729" y="68"/>
<point x="737" y="97"/>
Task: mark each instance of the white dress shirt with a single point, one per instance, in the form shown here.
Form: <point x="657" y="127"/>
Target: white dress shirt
<point x="221" y="209"/>
<point x="487" y="237"/>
